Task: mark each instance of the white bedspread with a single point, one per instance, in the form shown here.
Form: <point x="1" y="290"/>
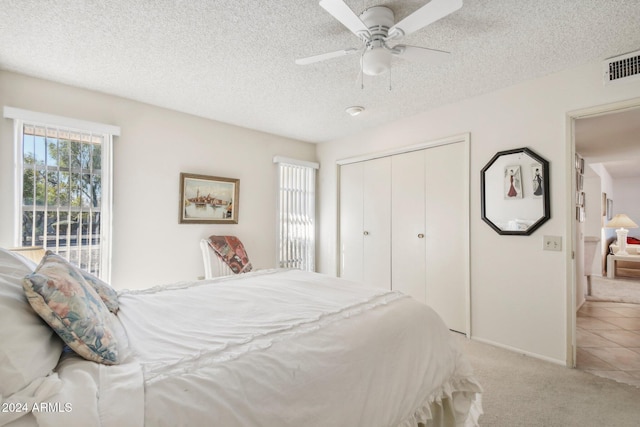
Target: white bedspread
<point x="273" y="348"/>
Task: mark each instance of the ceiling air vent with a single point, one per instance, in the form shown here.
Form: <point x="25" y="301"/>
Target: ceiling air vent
<point x="622" y="68"/>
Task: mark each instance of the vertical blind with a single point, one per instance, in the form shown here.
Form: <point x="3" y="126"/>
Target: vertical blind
<point x="296" y="213"/>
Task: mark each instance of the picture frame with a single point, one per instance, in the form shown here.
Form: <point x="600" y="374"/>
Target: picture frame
<point x="604" y="204"/>
<point x="513" y="182"/>
<point x="609" y="209"/>
<point x="208" y="199"/>
<point x="579" y="181"/>
<point x="537" y="178"/>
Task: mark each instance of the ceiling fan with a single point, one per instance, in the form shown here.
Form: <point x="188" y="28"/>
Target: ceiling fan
<point x="376" y="29"/>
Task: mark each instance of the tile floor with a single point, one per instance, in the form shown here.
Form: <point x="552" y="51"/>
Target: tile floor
<point x="608" y="340"/>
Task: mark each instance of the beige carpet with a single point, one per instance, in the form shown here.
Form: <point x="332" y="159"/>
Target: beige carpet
<point x="521" y="391"/>
<point x="616" y="290"/>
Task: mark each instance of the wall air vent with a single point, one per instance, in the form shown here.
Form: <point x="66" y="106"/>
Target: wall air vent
<point x="623" y="68"/>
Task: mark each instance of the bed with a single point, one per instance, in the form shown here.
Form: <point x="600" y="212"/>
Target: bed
<point x="265" y="348"/>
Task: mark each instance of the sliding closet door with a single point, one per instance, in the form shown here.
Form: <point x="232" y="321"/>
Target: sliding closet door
<point x="376" y="230"/>
<point x="404" y="225"/>
<point x="447" y="237"/>
<point x="351" y="210"/>
<point x="365" y="222"/>
<point x="408" y="256"/>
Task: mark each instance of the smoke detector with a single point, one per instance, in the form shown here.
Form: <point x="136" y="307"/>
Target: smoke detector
<point x="354" y="110"/>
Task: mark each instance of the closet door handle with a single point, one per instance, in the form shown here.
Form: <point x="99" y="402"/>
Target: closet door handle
<point x="420" y="236"/>
<point x="366" y="233"/>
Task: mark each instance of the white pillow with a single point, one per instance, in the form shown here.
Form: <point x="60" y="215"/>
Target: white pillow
<point x="29" y="348"/>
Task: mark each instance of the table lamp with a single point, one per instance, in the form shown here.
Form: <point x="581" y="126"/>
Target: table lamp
<point x="622" y="222"/>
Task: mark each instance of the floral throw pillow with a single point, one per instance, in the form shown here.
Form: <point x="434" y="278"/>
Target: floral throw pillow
<point x="73" y="309"/>
<point x="106" y="292"/>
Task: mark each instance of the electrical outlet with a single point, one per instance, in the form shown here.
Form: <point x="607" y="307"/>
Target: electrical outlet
<point x="552" y="243"/>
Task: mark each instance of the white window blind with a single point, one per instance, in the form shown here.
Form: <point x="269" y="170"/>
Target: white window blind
<point x="296" y="213"/>
<point x="63" y="187"/>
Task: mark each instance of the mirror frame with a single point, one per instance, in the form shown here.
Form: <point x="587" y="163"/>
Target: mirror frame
<point x="546" y="198"/>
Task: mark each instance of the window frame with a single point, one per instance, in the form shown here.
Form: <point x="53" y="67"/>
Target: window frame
<point x="20" y="118"/>
<point x="310" y="253"/>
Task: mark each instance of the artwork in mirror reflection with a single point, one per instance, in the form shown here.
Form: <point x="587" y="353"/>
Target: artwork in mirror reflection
<point x="538" y="180"/>
<point x="514" y="192"/>
<point x="512" y="182"/>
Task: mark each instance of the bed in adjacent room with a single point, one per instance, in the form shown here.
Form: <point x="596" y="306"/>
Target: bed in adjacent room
<point x="266" y="348"/>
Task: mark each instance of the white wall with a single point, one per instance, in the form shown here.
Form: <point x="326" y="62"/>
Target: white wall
<point x="149" y="246"/>
<point x="588" y="252"/>
<point x="602" y="183"/>
<point x="519" y="295"/>
<point x="606" y="187"/>
<point x="627" y="200"/>
<point x="594" y="220"/>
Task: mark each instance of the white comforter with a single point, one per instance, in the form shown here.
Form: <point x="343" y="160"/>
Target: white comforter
<point x="273" y="348"/>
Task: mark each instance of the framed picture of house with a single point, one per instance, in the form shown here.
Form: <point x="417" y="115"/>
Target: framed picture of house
<point x="208" y="199"/>
<point x="512" y="182"/>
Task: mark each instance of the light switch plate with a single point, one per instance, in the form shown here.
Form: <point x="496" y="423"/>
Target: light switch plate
<point x="552" y="243"/>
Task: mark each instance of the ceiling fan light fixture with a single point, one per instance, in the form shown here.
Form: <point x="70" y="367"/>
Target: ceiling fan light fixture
<point x="376" y="61"/>
<point x="376" y="26"/>
<point x="354" y="110"/>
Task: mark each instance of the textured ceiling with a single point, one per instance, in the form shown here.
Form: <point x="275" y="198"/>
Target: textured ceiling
<point x="233" y="60"/>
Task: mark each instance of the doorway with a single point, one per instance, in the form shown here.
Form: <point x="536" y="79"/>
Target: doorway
<point x="605" y="332"/>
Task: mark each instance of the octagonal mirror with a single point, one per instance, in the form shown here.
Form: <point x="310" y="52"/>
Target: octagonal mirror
<point x="515" y="192"/>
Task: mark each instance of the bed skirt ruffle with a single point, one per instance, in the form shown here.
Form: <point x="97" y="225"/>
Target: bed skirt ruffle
<point x="457" y="404"/>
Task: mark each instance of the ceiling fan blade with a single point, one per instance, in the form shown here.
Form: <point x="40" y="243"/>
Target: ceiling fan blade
<point x="325" y="56"/>
<point x="432" y="56"/>
<point x="427" y="14"/>
<point x="339" y="10"/>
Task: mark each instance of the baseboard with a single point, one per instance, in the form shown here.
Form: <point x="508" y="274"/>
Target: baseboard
<point x="520" y="351"/>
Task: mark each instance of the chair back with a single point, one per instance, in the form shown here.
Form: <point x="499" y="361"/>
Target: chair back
<point x="214" y="266"/>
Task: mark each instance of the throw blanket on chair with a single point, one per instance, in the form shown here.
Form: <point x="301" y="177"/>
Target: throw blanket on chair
<point x="231" y="250"/>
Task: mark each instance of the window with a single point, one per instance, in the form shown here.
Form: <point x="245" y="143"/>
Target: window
<point x="63" y="187"/>
<point x="296" y="213"/>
